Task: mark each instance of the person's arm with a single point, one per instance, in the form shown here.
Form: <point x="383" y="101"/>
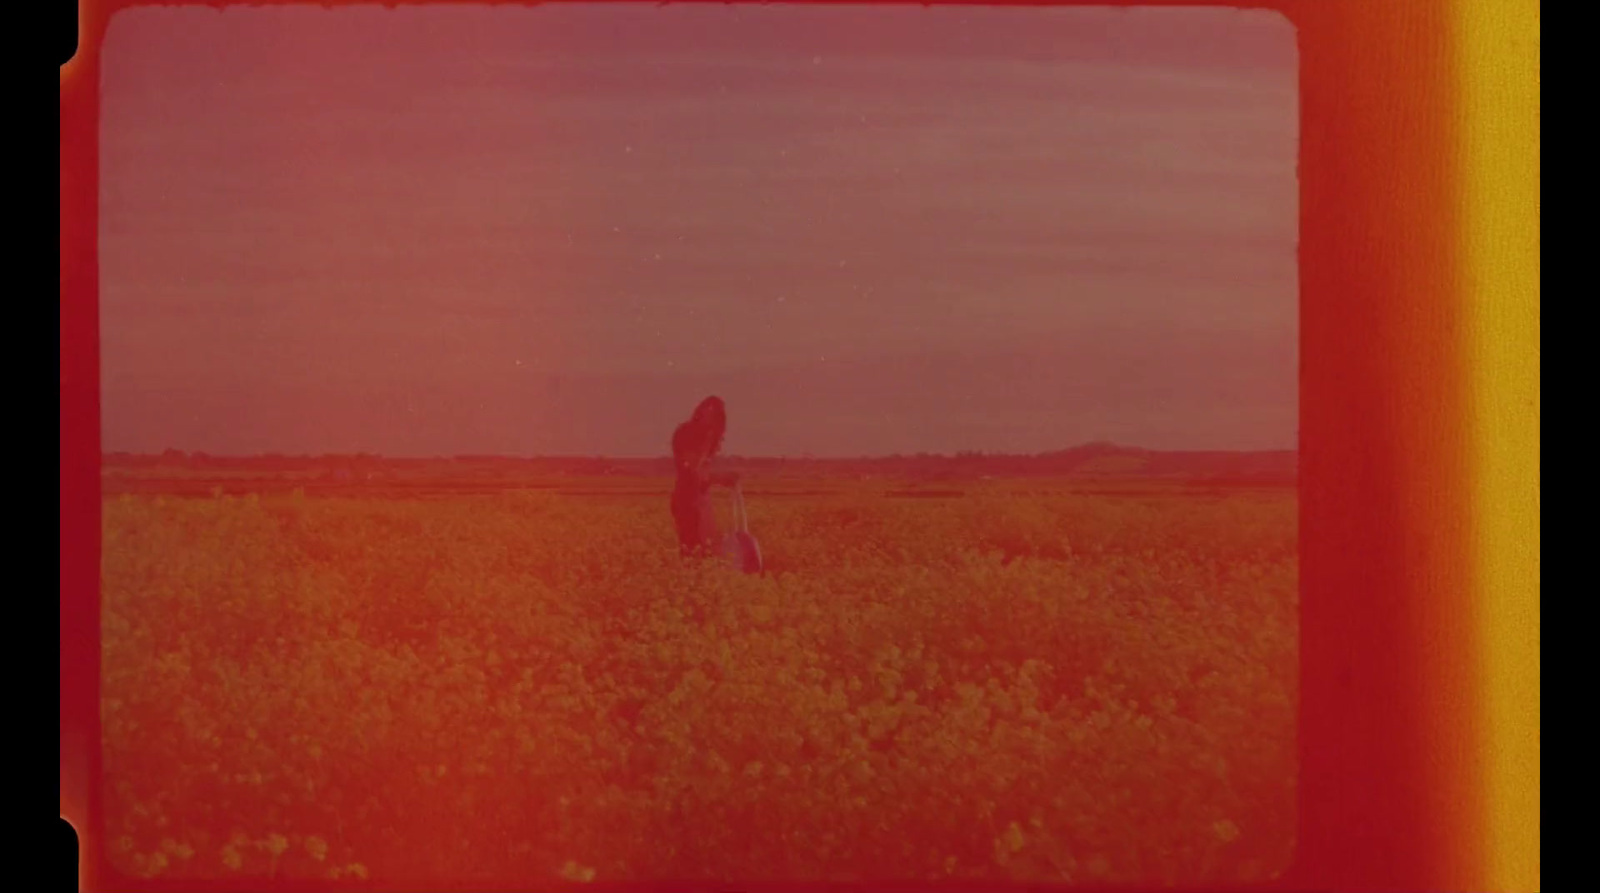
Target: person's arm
<point x="704" y="477"/>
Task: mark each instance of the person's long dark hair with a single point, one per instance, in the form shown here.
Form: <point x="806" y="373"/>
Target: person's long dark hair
<point x="705" y="430"/>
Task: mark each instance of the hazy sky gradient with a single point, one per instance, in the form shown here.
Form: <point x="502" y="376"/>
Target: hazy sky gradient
<point x="551" y="230"/>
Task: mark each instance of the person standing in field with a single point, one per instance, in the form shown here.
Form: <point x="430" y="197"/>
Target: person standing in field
<point x="694" y="444"/>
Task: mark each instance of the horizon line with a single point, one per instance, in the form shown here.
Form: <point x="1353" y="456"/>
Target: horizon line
<point x="591" y="457"/>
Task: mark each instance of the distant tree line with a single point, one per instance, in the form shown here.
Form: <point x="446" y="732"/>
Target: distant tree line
<point x="1094" y="459"/>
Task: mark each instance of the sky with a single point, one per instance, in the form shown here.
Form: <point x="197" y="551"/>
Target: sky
<point x="552" y="230"/>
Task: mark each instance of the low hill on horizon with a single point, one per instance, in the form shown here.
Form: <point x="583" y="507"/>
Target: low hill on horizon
<point x="1097" y="459"/>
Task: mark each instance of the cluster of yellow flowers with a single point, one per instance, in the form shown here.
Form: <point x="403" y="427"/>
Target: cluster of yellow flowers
<point x="1040" y="685"/>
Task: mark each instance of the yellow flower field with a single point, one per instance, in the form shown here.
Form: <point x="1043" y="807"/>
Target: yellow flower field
<point x="1023" y="682"/>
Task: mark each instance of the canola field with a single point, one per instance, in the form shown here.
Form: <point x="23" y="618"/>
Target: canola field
<point x="1020" y="682"/>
